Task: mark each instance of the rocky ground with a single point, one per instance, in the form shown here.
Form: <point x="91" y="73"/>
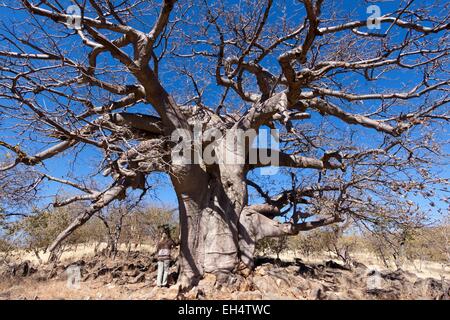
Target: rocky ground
<point x="132" y="276"/>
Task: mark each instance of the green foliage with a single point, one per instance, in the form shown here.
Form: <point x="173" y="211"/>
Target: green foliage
<point x="308" y="244"/>
<point x="274" y="246"/>
<point x="431" y="244"/>
<point x="426" y="244"/>
<point x="40" y="229"/>
<point x="142" y="226"/>
<point x="37" y="231"/>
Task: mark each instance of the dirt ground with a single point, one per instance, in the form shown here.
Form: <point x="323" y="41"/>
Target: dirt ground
<point x="81" y="274"/>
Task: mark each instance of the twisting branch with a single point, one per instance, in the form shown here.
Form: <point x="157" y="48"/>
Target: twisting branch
<point x="115" y="192"/>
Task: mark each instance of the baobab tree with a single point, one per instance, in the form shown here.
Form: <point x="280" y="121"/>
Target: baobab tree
<point x="357" y="103"/>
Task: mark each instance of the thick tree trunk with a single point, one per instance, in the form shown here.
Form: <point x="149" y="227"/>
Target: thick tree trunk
<point x="209" y="206"/>
<point x="218" y="229"/>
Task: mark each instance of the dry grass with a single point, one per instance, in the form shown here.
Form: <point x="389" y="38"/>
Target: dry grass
<point x="74" y="253"/>
<point x="30" y="289"/>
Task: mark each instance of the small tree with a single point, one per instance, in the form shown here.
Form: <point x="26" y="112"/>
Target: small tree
<point x="36" y="231"/>
<point x="340" y="245"/>
<point x="309" y="244"/>
<point x="274" y="246"/>
<point x="144" y="222"/>
<point x="112" y="220"/>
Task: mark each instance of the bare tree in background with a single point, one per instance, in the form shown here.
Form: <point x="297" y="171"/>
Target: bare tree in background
<point x="357" y="109"/>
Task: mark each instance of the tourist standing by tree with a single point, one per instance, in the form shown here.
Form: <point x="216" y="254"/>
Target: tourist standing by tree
<point x="163" y="250"/>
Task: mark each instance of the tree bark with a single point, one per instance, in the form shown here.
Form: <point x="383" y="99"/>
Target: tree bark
<point x="210" y="203"/>
<point x="218" y="229"/>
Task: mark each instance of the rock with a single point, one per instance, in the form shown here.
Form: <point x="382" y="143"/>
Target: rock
<point x="245" y="285"/>
<point x="109" y="278"/>
<point x="317" y="292"/>
<point x="359" y="266"/>
<point x="248" y="295"/>
<point x="260" y="271"/>
<point x="355" y="294"/>
<point x="330" y="280"/>
<point x="271" y="296"/>
<point x="291" y="269"/>
<point x="297" y="293"/>
<point x="334" y="265"/>
<point x="208" y="282"/>
<point x="133" y="273"/>
<point x="170" y="293"/>
<point x="22" y="269"/>
<point x="120" y="281"/>
<point x="400" y="275"/>
<point x="382" y="294"/>
<point x="129" y="267"/>
<point x="432" y="289"/>
<point x="192" y="294"/>
<point x="139" y="278"/>
<point x="279" y="285"/>
<point x="244" y="270"/>
<point x="303" y="269"/>
<point x="265" y="284"/>
<point x="6" y="295"/>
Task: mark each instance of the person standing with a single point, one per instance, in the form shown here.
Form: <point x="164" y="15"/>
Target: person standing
<point x="163" y="250"/>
